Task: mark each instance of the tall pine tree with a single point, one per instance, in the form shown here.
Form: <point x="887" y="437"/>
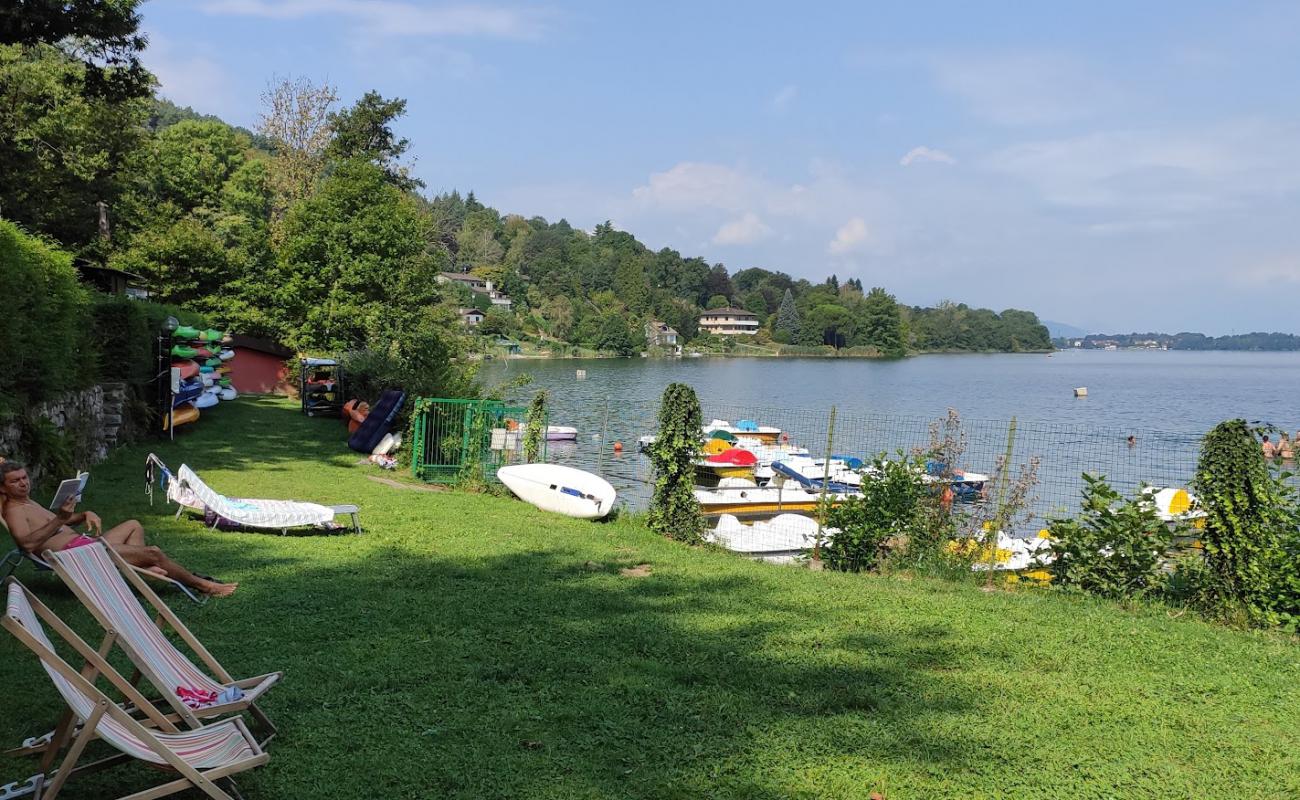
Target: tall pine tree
<point x="787" y="318"/>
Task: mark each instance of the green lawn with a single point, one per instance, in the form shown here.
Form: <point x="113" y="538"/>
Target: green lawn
<point x="471" y="647"/>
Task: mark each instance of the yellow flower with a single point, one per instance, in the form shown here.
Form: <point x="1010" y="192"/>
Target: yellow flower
<point x="1012" y="578"/>
<point x="1040" y="575"/>
<point x="1044" y="534"/>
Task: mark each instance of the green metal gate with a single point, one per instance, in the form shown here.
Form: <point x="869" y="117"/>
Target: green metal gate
<point x="458" y="440"/>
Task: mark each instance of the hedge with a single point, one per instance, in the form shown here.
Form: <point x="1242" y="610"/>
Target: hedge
<point x="57" y="336"/>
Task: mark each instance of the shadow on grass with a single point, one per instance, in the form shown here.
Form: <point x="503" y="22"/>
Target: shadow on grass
<point x="542" y="675"/>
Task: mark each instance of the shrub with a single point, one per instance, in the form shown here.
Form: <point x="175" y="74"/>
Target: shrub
<point x="535" y="427"/>
<point x="1250" y="526"/>
<point x="425" y="360"/>
<point x="674" y="511"/>
<point x="892" y="492"/>
<point x="1114" y="548"/>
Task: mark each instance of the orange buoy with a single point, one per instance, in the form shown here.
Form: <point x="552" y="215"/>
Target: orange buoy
<point x="618" y="447"/>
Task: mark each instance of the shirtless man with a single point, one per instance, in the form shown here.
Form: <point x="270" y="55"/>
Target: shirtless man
<point x="36" y="530"/>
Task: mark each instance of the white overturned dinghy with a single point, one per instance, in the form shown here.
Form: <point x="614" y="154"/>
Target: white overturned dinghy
<point x="562" y="490"/>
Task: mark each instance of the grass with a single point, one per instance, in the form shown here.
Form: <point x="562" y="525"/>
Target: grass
<point x="469" y="646"/>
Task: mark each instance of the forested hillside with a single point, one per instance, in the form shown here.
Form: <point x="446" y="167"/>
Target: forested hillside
<point x="311" y="230"/>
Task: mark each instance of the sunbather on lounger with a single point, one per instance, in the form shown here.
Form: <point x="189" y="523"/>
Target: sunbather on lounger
<point x="36" y="530"/>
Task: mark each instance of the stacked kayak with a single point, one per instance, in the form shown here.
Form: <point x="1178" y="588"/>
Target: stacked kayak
<point x="201" y="357"/>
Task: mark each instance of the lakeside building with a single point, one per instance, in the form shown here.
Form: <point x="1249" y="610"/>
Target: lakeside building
<point x="729" y="322"/>
<point x="660" y="334"/>
<point x="471" y="316"/>
<point x="477" y="285"/>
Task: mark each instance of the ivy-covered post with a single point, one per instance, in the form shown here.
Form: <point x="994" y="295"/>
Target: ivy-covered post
<point x="535" y="427"/>
<point x="1247" y="509"/>
<point x="674" y="511"/>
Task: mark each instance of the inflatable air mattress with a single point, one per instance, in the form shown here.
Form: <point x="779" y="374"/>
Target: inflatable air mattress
<point x="381" y="417"/>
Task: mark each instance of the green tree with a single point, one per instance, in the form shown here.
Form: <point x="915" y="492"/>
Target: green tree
<point x="787" y="319"/>
<point x="63" y="149"/>
<point x="183" y="263"/>
<point x="103" y="35"/>
<point x="354" y="261"/>
<point x="881" y="324"/>
<point x="717" y="301"/>
<point x="756" y="304"/>
<point x="827" y="324"/>
<point x="365" y="131"/>
<point x="189" y="163"/>
<point x="718" y="283"/>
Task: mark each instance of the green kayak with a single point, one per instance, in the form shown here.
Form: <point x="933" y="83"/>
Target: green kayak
<point x="183" y="351"/>
<point x="185" y="332"/>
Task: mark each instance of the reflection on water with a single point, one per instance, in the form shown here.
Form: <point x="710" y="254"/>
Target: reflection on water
<point x="1167" y="400"/>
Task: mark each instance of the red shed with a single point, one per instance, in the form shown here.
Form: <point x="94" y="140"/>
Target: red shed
<point x="259" y="366"/>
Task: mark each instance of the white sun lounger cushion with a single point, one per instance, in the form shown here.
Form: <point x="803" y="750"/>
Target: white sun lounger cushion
<point x="253" y="512"/>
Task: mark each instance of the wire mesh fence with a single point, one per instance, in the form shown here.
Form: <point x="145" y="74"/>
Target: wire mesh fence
<point x="1129" y="458"/>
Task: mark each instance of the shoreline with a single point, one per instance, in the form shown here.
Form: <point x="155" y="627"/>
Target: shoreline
<point x="823" y="356"/>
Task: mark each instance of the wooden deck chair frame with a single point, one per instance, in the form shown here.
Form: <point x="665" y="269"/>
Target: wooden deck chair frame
<point x="15" y="557"/>
<point x="253" y="687"/>
<point x="86" y="733"/>
<point x="96" y="665"/>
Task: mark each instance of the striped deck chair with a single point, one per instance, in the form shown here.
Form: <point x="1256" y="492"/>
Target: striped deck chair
<point x="199" y="757"/>
<point x="99" y="577"/>
<point x="14" y="559"/>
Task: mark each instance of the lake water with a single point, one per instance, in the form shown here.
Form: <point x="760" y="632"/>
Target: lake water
<point x="1166" y="399"/>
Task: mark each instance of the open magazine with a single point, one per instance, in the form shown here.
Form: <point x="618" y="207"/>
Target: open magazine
<point x="72" y="487"/>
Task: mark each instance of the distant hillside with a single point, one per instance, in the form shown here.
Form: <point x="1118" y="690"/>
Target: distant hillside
<point x="1059" y="330"/>
<point x="1183" y="341"/>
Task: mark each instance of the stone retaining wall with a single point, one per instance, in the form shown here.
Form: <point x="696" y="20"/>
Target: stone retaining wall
<point x="95" y="420"/>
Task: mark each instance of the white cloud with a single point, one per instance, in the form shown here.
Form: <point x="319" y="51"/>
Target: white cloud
<point x="1025" y="88"/>
<point x="692" y="185"/>
<point x="923" y="154"/>
<point x="1160" y="174"/>
<point x="851" y="236"/>
<point x="782" y="99"/>
<point x="1269" y="273"/>
<point x="748" y="229"/>
<point x="394" y="18"/>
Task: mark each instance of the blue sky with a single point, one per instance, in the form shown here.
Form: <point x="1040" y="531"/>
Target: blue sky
<point x="1117" y="166"/>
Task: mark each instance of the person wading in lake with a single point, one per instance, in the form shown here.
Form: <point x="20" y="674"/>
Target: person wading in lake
<point x="1270" y="449"/>
<point x="1284" y="447"/>
<point x="36" y="530"/>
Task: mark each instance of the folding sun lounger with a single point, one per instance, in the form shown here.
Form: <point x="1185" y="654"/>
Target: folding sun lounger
<point x="99" y="576"/>
<point x="198" y="757"/>
<point x="187" y="489"/>
<point x="14" y="558"/>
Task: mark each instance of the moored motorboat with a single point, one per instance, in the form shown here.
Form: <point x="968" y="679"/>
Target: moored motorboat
<point x="730" y="463"/>
<point x="744" y="428"/>
<point x="754" y="502"/>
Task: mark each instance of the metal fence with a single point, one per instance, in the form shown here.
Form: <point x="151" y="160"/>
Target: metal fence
<point x="457" y="439"/>
<point x="1129" y="458"/>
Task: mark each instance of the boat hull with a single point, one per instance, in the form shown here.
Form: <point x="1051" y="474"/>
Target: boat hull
<point x="559" y="489"/>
